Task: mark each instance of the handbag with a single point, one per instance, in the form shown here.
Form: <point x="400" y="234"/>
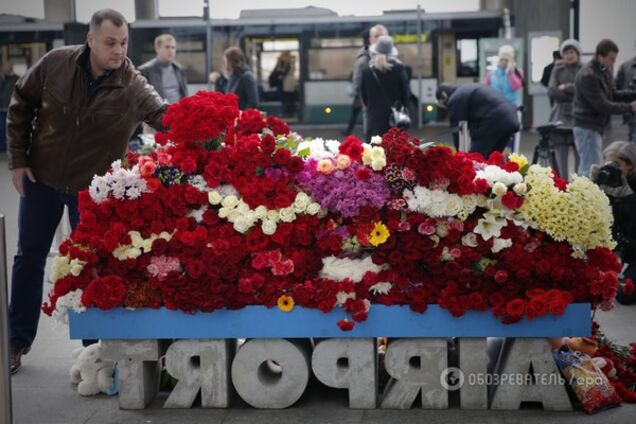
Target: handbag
<point x="399" y="116"/>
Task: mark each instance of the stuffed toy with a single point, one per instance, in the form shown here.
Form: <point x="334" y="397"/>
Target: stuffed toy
<point x="605" y="365"/>
<point x="91" y="372"/>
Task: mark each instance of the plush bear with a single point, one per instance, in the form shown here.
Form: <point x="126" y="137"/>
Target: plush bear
<point x="91" y="372"/>
<point x="605" y="365"/>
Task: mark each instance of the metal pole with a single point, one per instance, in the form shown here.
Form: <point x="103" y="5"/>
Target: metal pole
<point x="5" y="377"/>
<point x="420" y="65"/>
<point x="463" y="136"/>
<point x="208" y="42"/>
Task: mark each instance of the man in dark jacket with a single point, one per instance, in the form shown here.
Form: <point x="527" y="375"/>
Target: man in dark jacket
<point x="491" y="118"/>
<point x="163" y="73"/>
<point x="595" y="99"/>
<point x="70" y="116"/>
<point x="626" y="80"/>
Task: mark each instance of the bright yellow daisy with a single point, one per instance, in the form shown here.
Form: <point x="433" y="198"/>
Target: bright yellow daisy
<point x="286" y="303"/>
<point x="379" y="234"/>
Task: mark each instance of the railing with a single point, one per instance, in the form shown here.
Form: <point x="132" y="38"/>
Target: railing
<point x="5" y="377"/>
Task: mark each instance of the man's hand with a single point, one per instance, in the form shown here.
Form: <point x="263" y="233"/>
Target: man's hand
<point x="18" y="179"/>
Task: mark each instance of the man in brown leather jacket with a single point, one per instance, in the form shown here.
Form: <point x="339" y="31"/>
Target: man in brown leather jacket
<point x="70" y="116"/>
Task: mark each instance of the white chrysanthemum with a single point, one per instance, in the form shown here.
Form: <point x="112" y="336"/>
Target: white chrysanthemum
<point x="376" y="139"/>
<point x="71" y="300"/>
<point x="197" y="214"/>
<point x="342" y="297"/>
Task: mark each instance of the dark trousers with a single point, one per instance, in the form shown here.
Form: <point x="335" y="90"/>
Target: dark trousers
<point x="38" y="217"/>
<point x="486" y="147"/>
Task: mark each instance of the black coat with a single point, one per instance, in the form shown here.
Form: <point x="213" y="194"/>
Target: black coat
<point x="624" y="228"/>
<point x="243" y="84"/>
<point x="395" y="84"/>
<point x="491" y="117"/>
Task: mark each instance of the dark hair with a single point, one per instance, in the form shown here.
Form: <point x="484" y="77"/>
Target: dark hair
<point x="605" y="47"/>
<point x="106" y="15"/>
<point x="556" y="54"/>
<point x="235" y="59"/>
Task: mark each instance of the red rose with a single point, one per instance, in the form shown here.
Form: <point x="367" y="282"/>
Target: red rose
<point x="295" y="165"/>
<point x="481" y="186"/>
<point x="282" y="156"/>
<point x="346" y="325"/>
<point x="189" y="165"/>
<point x="628" y="287"/>
<point x="516" y="307"/>
<point x="352" y="147"/>
<point x="268" y="144"/>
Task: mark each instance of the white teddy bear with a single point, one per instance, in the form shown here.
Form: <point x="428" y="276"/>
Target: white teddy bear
<point x="91" y="371"/>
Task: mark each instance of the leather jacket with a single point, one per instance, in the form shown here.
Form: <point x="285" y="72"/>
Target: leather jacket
<point x="67" y="134"/>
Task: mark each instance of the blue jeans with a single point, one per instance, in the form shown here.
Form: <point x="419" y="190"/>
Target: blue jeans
<point x="3" y="131"/>
<point x="588" y="145"/>
<point x="38" y="216"/>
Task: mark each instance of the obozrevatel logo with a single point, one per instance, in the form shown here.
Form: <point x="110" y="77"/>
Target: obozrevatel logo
<point x="452" y="378"/>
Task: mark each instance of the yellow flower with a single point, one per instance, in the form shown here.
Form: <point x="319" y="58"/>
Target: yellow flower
<point x="520" y="160"/>
<point x="379" y="234"/>
<point x="286" y="303"/>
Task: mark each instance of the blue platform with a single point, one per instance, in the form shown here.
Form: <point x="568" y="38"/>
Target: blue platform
<point x="260" y="322"/>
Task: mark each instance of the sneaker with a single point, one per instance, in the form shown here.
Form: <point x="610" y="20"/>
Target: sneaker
<point x="15" y="358"/>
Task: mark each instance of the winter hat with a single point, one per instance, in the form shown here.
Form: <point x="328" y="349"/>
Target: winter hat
<point x="506" y="52"/>
<point x="571" y="43"/>
<point x="384" y="45"/>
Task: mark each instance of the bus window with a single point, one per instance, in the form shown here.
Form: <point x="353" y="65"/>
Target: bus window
<point x="332" y="63"/>
<point x="407" y="53"/>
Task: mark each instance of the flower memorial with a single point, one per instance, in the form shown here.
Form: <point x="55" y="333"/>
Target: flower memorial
<point x="232" y="209"/>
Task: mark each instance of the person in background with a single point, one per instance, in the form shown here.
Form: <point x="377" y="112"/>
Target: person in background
<point x="507" y="79"/>
<point x="163" y="73"/>
<point x="626" y="80"/>
<point x="362" y="63"/>
<point x="356" y="108"/>
<point x="547" y="70"/>
<point x="617" y="179"/>
<point x="282" y="77"/>
<point x="561" y="86"/>
<point x="71" y="115"/>
<point x="241" y="81"/>
<point x="595" y="100"/>
<point x="384" y="85"/>
<point x="7" y="81"/>
<point x="491" y="118"/>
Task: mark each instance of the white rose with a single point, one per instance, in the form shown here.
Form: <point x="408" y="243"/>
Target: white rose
<point x="470" y="240"/>
<point x="376" y="139"/>
<point x="273" y="215"/>
<point x="242" y="207"/>
<point x="313" y="208"/>
<point x="454" y="205"/>
<point x="520" y="189"/>
<point x="214" y="197"/>
<point x="260" y="211"/>
<point x="287" y="214"/>
<point x="482" y="201"/>
<point x="230" y="201"/>
<point x="224" y="212"/>
<point x="378" y="164"/>
<point x="366" y="154"/>
<point x="499" y="189"/>
<point x="268" y="227"/>
<point x="241" y="225"/>
<point x="377" y="152"/>
<point x="165" y="235"/>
